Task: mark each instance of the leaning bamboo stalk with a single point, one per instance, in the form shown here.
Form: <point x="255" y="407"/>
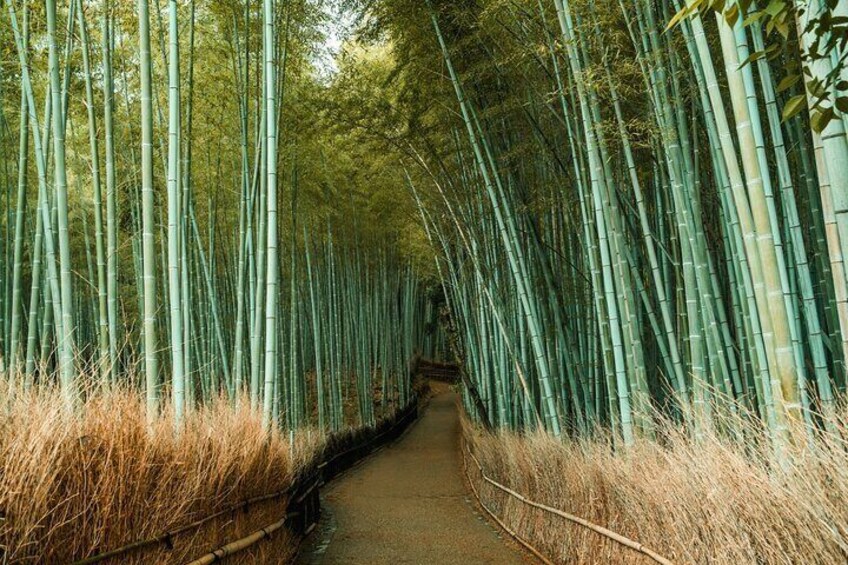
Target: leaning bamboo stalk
<point x="506" y="230"/>
<point x="111" y="197"/>
<point x="599" y="190"/>
<point x="15" y="330"/>
<point x="832" y="166"/>
<point x="45" y="221"/>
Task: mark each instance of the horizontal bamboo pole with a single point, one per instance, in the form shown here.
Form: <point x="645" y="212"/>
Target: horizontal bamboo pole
<point x="375" y="440"/>
<point x="634" y="545"/>
<point x="500" y="523"/>
<point x="240" y="544"/>
<point x="245" y="542"/>
<point x="167" y="537"/>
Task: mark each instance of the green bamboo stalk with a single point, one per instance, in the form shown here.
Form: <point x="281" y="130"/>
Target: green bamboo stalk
<point x="272" y="277"/>
<point x="151" y="359"/>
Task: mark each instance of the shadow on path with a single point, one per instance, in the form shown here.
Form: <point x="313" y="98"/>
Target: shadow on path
<point x="408" y="504"/>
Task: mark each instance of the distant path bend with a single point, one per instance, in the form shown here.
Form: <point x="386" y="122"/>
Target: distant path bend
<point x="408" y="504"/>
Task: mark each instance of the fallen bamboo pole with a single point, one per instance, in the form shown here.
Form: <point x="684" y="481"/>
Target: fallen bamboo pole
<point x="634" y="545"/>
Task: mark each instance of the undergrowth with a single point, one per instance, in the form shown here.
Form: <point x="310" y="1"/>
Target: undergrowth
<point x="73" y="485"/>
<point x="710" y="500"/>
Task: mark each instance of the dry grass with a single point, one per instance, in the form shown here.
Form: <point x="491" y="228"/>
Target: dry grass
<point x="713" y="501"/>
<point x="72" y="486"/>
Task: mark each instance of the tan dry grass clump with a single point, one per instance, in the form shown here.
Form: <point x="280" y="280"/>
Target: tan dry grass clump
<point x="75" y="485"/>
<point x="707" y="502"/>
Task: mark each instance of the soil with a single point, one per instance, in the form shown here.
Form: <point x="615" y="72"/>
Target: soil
<point x="409" y="504"/>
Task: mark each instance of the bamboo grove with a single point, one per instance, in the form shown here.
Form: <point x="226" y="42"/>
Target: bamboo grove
<point x="157" y="234"/>
<point x="636" y="212"/>
<point x="628" y="221"/>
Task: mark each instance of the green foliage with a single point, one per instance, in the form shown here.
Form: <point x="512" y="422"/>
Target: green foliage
<point x="784" y="23"/>
<point x="199" y="166"/>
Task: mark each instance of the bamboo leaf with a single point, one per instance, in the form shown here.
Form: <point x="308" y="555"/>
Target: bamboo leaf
<point x="753" y="17"/>
<point x="732" y="15"/>
<point x="755" y="56"/>
<point x="684" y="13"/>
<point x="794" y="105"/>
<point x="821" y="118"/>
<point x="788" y="82"/>
<point x="774" y="7"/>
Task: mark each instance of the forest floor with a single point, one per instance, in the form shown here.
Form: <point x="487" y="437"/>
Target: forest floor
<point x="409" y="504"/>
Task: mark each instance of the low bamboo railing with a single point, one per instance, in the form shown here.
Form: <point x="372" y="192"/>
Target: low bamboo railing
<point x="303" y="505"/>
<point x="618" y="538"/>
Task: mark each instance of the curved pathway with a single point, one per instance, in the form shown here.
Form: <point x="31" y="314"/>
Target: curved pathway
<point x="408" y="504"/>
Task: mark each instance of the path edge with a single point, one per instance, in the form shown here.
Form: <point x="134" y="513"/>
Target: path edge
<point x="303" y="507"/>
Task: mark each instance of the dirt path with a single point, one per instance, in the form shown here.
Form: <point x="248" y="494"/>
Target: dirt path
<point x="408" y="504"/>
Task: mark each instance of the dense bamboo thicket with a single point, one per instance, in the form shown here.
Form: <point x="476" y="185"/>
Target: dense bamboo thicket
<point x="626" y="220"/>
<point x="705" y="502"/>
<point x="167" y="216"/>
<point x="639" y="215"/>
<point x="631" y="212"/>
<point x="200" y="280"/>
<point x="638" y="211"/>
